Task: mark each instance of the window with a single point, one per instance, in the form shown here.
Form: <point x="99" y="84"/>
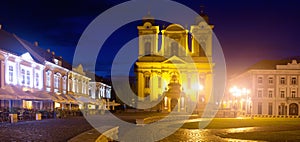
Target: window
<point x="10" y="73"/>
<point x="282" y="109"/>
<point x="36" y="79"/>
<point x="73" y="85"/>
<point x="282" y="80"/>
<point x="270" y="80"/>
<point x="259" y="80"/>
<point x="48" y="78"/>
<point x="64" y="82"/>
<point x="147" y="48"/>
<point x="55" y="81"/>
<point x="83" y="87"/>
<point x="270" y="93"/>
<point x="259" y="93"/>
<point x="270" y="109"/>
<point x="147" y="82"/>
<point x="282" y="94"/>
<point x="293" y="94"/>
<point x="293" y="80"/>
<point x="76" y="85"/>
<point x="23" y="76"/>
<point x="259" y="108"/>
<point x="27" y="77"/>
<point x="174" y="48"/>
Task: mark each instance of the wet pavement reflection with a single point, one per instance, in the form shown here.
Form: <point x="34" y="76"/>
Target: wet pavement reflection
<point x="198" y="135"/>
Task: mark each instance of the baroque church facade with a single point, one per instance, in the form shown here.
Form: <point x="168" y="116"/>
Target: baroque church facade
<point x="174" y="65"/>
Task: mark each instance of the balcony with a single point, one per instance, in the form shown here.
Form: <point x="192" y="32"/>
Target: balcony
<point x="293" y="98"/>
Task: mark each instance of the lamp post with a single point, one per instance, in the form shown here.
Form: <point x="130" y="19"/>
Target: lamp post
<point x="199" y="87"/>
<point x="236" y="92"/>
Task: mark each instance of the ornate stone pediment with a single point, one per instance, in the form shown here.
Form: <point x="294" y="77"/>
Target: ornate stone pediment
<point x="175" y="60"/>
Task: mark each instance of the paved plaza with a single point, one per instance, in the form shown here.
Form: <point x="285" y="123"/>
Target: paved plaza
<point x="58" y="130"/>
<point x="61" y="130"/>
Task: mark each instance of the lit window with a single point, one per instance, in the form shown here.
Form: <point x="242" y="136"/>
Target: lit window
<point x="57" y="80"/>
<point x="23" y="76"/>
<point x="64" y="82"/>
<point x="36" y="79"/>
<point x="282" y="80"/>
<point x="294" y="81"/>
<point x="147" y="48"/>
<point x="28" y="78"/>
<point x="174" y="48"/>
<point x="260" y="80"/>
<point x="48" y="78"/>
<point x="10" y="73"/>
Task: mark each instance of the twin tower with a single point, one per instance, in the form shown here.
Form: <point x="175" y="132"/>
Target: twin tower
<point x="182" y="54"/>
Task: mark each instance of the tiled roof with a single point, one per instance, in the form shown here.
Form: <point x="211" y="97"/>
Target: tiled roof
<point x="15" y="45"/>
<point x="270" y="64"/>
<point x="267" y="65"/>
<point x="9" y="43"/>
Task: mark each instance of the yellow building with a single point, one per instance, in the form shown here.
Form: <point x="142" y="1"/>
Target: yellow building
<point x="179" y="71"/>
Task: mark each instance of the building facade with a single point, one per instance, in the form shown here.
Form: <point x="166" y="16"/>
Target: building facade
<point x="273" y="89"/>
<point x="34" y="78"/>
<point x="178" y="57"/>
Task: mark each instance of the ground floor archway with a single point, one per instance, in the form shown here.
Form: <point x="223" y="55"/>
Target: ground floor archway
<point x="293" y="109"/>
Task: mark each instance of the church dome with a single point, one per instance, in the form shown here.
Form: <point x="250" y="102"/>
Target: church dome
<point x="175" y="27"/>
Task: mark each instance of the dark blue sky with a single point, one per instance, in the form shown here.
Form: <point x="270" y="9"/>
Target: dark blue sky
<point x="248" y="30"/>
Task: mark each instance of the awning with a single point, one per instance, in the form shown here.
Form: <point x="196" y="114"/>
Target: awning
<point x="84" y="99"/>
<point x="5" y="95"/>
<point x="43" y="95"/>
<point x="20" y="93"/>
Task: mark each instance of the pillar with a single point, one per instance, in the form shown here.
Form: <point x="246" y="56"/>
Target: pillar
<point x="141" y="86"/>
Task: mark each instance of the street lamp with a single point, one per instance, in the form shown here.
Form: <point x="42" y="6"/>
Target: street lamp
<point x="236" y="92"/>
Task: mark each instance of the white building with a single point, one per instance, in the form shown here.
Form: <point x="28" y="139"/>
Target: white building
<point x="32" y="74"/>
<point x="273" y="89"/>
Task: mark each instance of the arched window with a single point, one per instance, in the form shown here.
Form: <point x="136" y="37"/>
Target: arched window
<point x="174" y="48"/>
<point x="147" y="48"/>
<point x="147" y="82"/>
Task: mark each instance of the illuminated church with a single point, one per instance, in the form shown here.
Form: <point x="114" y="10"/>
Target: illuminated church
<point x="174" y="64"/>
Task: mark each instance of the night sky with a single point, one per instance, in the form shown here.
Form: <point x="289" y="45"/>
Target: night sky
<point x="248" y="30"/>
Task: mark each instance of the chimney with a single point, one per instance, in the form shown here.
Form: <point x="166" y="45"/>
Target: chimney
<point x="36" y="43"/>
<point x="48" y="50"/>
